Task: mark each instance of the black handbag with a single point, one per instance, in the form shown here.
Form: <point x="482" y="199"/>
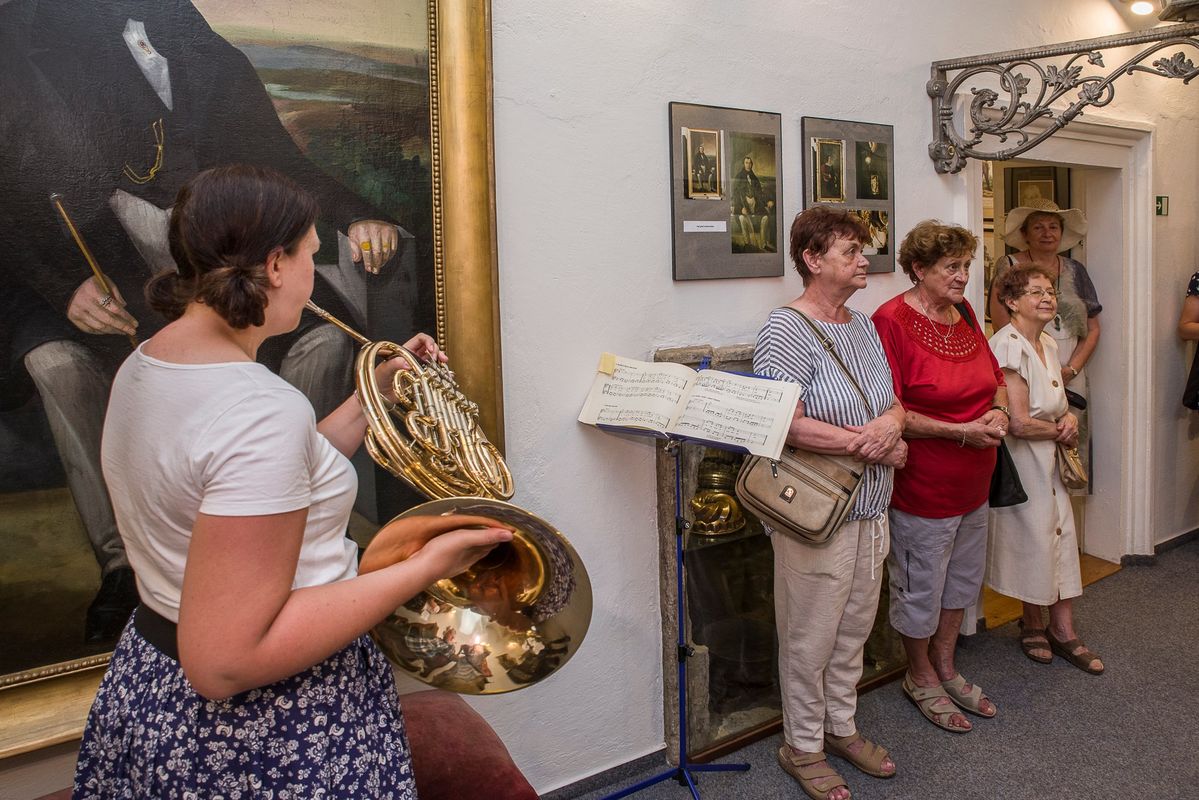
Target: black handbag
<point x="1190" y="395"/>
<point x="1006" y="489"/>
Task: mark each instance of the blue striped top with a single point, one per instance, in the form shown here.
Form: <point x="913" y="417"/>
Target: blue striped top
<point x="788" y="350"/>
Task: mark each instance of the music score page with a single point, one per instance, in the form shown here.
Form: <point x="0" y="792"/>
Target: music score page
<point x="674" y="401"/>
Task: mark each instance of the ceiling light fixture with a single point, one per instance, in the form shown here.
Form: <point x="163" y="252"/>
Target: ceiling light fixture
<point x="1142" y="7"/>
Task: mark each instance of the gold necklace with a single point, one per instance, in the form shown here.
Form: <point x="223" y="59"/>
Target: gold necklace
<point x="949" y="331"/>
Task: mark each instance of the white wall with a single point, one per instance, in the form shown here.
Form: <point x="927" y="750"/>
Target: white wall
<point x="582" y="151"/>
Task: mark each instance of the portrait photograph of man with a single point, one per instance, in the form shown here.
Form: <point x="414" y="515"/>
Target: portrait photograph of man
<point x="704" y="176"/>
<point x="753" y="218"/>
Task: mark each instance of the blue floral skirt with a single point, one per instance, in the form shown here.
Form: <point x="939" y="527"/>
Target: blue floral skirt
<point x="333" y="731"/>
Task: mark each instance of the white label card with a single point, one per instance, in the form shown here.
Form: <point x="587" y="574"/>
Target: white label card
<point x="705" y="226"/>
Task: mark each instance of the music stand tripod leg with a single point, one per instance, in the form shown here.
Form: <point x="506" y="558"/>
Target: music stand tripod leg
<point x="683" y="772"/>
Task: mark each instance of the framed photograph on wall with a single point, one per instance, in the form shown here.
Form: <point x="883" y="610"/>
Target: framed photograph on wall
<point x="740" y="166"/>
<point x="829" y="155"/>
<point x="343" y="105"/>
<point x="850" y="165"/>
<point x="704" y="173"/>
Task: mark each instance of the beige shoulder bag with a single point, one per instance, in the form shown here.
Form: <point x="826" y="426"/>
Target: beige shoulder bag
<point x="803" y="493"/>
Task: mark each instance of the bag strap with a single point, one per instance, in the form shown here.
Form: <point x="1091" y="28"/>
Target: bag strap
<point x="831" y="349"/>
<point x="961" y="307"/>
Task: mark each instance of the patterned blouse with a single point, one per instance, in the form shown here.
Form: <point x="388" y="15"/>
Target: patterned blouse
<point x="787" y="350"/>
<point x="1193" y="286"/>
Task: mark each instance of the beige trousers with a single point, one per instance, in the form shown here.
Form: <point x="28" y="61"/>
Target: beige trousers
<point x="825" y="599"/>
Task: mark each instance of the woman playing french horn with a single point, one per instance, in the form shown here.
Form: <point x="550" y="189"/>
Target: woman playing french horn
<point x="247" y="664"/>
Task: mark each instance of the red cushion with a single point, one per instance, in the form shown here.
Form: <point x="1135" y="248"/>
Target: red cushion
<point x="455" y="753"/>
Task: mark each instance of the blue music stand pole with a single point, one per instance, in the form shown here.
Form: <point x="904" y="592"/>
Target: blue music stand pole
<point x="683" y="772"/>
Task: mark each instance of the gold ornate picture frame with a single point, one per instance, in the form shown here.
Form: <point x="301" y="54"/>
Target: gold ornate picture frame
<point x="48" y="705"/>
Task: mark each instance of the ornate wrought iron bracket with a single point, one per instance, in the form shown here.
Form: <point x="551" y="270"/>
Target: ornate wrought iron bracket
<point x="1017" y="100"/>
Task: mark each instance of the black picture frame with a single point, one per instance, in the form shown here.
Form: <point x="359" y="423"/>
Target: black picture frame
<point x="851" y="165"/>
<point x="732" y="227"/>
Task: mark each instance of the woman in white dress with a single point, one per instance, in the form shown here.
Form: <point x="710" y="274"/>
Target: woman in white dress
<point x="1033" y="551"/>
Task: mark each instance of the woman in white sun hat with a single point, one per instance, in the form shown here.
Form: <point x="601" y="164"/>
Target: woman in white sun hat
<point x="1043" y="233"/>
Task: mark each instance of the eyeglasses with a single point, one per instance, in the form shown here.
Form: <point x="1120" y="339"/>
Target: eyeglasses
<point x="1042" y="293"/>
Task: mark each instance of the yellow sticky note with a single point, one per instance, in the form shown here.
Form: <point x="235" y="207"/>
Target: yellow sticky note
<point x="607" y="364"/>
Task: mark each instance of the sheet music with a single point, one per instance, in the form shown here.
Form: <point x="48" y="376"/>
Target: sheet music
<point x="638" y="394"/>
<point x="753" y="413"/>
<point x="719" y="408"/>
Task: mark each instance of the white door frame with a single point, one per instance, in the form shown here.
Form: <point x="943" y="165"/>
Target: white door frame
<point x="1120" y="514"/>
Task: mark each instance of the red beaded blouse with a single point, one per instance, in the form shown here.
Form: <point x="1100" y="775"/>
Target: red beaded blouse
<point x="947" y="373"/>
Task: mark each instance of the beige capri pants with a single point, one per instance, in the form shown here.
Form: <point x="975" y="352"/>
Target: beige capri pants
<point x="825" y="599"/>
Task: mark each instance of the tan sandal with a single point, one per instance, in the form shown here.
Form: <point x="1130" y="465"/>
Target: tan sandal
<point x="868" y="759"/>
<point x="1081" y="660"/>
<point x="934" y="703"/>
<point x="1031" y="641"/>
<point x="970" y="701"/>
<point x="816" y="781"/>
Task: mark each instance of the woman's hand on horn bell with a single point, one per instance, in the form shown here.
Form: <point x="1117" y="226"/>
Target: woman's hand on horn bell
<point x="454" y="551"/>
<point x="402" y="539"/>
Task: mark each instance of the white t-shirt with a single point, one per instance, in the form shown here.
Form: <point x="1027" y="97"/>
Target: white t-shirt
<point x="229" y="439"/>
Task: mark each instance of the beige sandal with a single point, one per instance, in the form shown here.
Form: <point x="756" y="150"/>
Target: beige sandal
<point x="816" y="781"/>
<point x="970" y="701"/>
<point x="868" y="759"/>
<point x="934" y="703"/>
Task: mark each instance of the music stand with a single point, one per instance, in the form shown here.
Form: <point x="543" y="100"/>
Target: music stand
<point x="683" y="772"/>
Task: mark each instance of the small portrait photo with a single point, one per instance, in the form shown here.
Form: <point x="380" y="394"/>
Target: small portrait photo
<point x="702" y="149"/>
<point x="753" y="195"/>
<point x="828" y="156"/>
<point x="1030" y="193"/>
<point x="871" y="162"/>
<point x="878" y="223"/>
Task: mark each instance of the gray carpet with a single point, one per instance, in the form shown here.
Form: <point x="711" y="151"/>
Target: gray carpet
<point x="1060" y="733"/>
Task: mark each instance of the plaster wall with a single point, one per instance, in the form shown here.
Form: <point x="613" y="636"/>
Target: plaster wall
<point x="582" y="154"/>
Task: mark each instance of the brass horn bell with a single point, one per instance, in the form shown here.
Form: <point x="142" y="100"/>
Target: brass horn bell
<point x="518" y="614"/>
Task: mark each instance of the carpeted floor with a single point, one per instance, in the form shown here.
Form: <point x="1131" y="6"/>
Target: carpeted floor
<point x="1060" y="733"/>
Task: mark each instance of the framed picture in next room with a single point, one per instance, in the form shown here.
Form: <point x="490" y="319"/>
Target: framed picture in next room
<point x="851" y="166"/>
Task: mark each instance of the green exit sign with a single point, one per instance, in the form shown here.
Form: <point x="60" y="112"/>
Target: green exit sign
<point x="1163" y="205"/>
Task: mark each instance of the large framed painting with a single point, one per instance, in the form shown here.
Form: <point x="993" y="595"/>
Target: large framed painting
<point x="850" y="165"/>
<point x="382" y="109"/>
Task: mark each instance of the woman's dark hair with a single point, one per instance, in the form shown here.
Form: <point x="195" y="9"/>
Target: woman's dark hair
<point x="815" y="229"/>
<point x="1011" y="284"/>
<point x="932" y="240"/>
<point x="226" y="222"/>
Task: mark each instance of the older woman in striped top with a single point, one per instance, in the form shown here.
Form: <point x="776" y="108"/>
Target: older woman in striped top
<point x="826" y="595"/>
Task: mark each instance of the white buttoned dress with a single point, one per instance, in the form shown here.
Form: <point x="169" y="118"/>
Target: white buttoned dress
<point x="1032" y="552"/>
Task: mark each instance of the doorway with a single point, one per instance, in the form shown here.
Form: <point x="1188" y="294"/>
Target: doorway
<point x="1109" y="167"/>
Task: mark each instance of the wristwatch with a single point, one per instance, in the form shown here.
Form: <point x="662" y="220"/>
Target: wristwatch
<point x="998" y="407"/>
<point x="1072" y="369"/>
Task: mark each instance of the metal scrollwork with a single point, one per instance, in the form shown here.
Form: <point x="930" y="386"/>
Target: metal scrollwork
<point x="1018" y="101"/>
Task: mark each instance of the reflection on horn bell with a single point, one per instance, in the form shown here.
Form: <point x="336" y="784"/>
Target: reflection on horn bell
<point x="518" y="614"/>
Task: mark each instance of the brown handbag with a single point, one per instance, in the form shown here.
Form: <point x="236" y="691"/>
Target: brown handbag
<point x="1070" y="467"/>
<point x="803" y="493"/>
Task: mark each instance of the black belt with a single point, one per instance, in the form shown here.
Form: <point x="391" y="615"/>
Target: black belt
<point x="157" y="630"/>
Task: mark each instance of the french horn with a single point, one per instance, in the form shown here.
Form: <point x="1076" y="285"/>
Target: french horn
<point x="519" y="613"/>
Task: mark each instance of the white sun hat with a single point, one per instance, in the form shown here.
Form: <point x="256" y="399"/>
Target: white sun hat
<point x="1074" y="224"/>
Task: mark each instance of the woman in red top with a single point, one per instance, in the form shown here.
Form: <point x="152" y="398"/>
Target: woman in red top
<point x="953" y="390"/>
